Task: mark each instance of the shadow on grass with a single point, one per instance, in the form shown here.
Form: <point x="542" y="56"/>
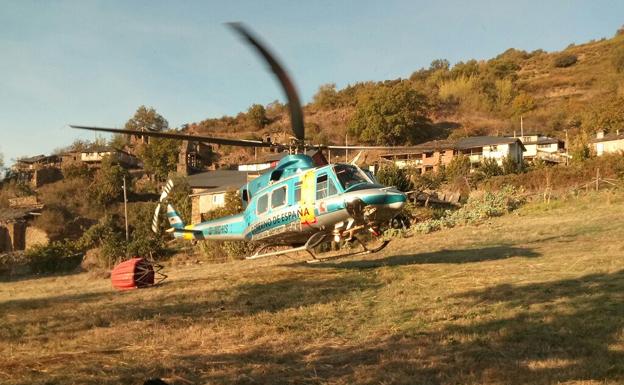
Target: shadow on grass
<point x="440" y="256"/>
<point x="76" y="313"/>
<point x="542" y="333"/>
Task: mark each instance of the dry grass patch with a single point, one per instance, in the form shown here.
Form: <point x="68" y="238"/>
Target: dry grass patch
<point x="532" y="297"/>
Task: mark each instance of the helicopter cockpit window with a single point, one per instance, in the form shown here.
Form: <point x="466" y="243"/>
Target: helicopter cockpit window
<point x="349" y="176"/>
<point x="278" y="197"/>
<point x="325" y="187"/>
<point x="263" y="204"/>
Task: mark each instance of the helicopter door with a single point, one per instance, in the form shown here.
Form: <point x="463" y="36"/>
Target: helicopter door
<point x="308" y="196"/>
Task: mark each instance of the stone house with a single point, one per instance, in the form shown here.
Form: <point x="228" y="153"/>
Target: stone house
<point x="430" y="156"/>
<point x="608" y="143"/>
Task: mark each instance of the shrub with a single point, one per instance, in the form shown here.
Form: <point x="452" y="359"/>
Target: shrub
<point x="54" y="257"/>
<point x="427" y="181"/>
<point x="458" y="167"/>
<point x="510" y="166"/>
<point x="392" y="175"/>
<point x="478" y="208"/>
<point x="490" y="168"/>
<point x="564" y="60"/>
<point x="618" y="59"/>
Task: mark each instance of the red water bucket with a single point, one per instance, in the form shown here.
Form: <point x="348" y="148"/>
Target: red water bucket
<point x="133" y="273"/>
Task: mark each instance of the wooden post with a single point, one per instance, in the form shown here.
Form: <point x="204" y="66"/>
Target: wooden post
<point x="597" y="177"/>
<point x="125" y="207"/>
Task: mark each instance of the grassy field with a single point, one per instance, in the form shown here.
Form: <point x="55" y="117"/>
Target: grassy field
<point x="534" y="297"/>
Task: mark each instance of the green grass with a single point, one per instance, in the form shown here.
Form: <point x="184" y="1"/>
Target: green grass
<point x="532" y="297"/>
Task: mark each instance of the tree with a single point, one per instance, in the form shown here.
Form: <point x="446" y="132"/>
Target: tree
<point x="392" y="115"/>
<point x="489" y="167"/>
<point x="458" y="167"/>
<point x="160" y="156"/>
<point x="257" y="115"/>
<point x="510" y="166"/>
<point x="326" y="97"/>
<point x="604" y="114"/>
<point x="523" y="103"/>
<point x="392" y="175"/>
<point x="147" y="119"/>
<point x="439" y="64"/>
<point x="107" y="184"/>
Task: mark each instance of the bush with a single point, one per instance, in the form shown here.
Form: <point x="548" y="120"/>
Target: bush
<point x="427" y="181"/>
<point x="458" y="167"/>
<point x="618" y="59"/>
<point x="490" y="168"/>
<point x="478" y="208"/>
<point x="510" y="166"/>
<point x="54" y="257"/>
<point x="392" y="175"/>
<point x="564" y="60"/>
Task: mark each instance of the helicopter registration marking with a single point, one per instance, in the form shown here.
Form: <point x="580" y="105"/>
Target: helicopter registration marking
<point x="308" y="195"/>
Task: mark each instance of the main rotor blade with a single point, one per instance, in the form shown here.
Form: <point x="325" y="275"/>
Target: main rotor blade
<point x="296" y="113"/>
<point x="170" y="135"/>
<point x="332" y="147"/>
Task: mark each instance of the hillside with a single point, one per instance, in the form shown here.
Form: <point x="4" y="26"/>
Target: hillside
<point x="578" y="89"/>
<point x="531" y="297"/>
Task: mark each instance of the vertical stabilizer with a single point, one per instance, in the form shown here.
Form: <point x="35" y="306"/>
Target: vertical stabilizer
<point x="174" y="218"/>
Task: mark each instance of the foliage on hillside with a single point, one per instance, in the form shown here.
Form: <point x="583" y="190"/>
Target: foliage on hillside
<point x="577" y="90"/>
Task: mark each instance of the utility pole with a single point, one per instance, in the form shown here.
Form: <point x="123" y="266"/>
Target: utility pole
<point x="346" y="149"/>
<point x="125" y="207"/>
<point x="521" y="127"/>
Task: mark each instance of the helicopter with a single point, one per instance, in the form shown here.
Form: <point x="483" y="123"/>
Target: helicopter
<point x="297" y="204"/>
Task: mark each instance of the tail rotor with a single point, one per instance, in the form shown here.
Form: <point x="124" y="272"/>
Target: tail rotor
<point x="163" y="197"/>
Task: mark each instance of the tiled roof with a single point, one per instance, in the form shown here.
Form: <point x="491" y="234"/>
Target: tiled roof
<point x="218" y="180"/>
<point x="608" y="138"/>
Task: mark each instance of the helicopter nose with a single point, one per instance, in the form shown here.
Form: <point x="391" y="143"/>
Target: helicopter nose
<point x="395" y="199"/>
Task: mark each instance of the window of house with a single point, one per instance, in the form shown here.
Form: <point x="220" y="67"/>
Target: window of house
<point x="278" y="197"/>
<point x="218" y="199"/>
<point x="494" y="148"/>
<point x="428" y="154"/>
<point x="263" y="204"/>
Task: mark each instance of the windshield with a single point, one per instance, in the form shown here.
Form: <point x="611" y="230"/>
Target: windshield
<point x="349" y="175"/>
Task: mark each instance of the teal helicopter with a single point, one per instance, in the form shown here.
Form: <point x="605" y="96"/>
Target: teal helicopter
<point x="298" y="204"/>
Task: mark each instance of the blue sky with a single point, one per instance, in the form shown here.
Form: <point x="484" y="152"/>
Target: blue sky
<point x="95" y="62"/>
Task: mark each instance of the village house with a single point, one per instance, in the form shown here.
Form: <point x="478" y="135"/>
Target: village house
<point x="194" y="157"/>
<point x="16" y="230"/>
<point x="271" y="160"/>
<point x="38" y="170"/>
<point x="208" y="189"/>
<point x="94" y="156"/>
<point x="429" y="156"/>
<point x="538" y="146"/>
<point x="608" y="143"/>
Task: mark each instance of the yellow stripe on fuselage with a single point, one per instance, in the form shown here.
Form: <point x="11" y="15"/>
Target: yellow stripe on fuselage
<point x="188" y="236"/>
<point x="308" y="196"/>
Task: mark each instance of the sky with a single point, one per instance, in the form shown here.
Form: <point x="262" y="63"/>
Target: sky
<point x="95" y="62"/>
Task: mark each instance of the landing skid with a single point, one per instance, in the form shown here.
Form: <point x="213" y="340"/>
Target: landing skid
<point x="315" y="240"/>
<point x="366" y="250"/>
